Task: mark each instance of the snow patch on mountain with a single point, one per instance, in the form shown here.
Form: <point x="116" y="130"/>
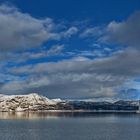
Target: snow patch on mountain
<point x="32" y="101"/>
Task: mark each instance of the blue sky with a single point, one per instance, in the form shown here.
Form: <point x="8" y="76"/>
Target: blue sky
<point x="99" y="11"/>
<point x="70" y="49"/>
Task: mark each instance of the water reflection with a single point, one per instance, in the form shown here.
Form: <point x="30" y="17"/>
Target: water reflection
<point x="69" y="126"/>
<point x="55" y="115"/>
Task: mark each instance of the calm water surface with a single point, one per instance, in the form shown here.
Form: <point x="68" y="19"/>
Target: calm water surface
<point x="69" y="126"/>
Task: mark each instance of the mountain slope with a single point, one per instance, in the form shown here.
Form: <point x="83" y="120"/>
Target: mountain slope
<point x="35" y="102"/>
<point x="31" y="102"/>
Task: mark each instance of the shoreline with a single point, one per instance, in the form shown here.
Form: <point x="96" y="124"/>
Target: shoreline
<point x="74" y="111"/>
<point x="55" y="114"/>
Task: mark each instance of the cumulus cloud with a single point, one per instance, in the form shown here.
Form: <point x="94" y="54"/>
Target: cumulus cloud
<point x="126" y="32"/>
<point x="79" y="77"/>
<point x="67" y="79"/>
<point x="75" y="78"/>
<point x="21" y="30"/>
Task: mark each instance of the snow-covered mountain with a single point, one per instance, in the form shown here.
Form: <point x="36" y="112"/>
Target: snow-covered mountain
<point x="31" y="102"/>
<point x="35" y="102"/>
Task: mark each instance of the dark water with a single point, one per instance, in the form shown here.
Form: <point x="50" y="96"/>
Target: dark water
<point x="69" y="126"/>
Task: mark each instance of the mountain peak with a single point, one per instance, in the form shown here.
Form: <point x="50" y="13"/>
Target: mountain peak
<point x="31" y="101"/>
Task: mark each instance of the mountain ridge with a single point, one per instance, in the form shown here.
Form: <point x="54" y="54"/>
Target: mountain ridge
<point x="36" y="102"/>
<point x="24" y="102"/>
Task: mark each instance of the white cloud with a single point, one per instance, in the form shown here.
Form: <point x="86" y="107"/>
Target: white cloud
<point x="126" y="32"/>
<point x="77" y="77"/>
<point x="68" y="79"/>
<point x="55" y="50"/>
<point x="21" y="30"/>
<point x="71" y="31"/>
<point x="91" y="32"/>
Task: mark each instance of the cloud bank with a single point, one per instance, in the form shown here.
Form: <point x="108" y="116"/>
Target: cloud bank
<point x="76" y="77"/>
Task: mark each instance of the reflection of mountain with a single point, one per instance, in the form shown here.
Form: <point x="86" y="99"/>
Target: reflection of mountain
<point x="35" y="102"/>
